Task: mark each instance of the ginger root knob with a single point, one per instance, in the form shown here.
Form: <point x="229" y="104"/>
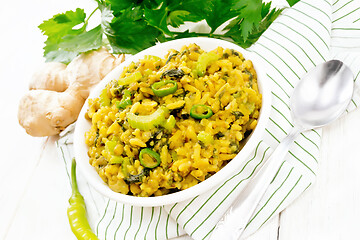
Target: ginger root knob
<point x="58" y="92"/>
<point x="45" y="113"/>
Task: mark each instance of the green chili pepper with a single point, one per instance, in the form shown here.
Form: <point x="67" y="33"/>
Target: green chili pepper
<point x="164" y="88"/>
<point x="200" y="111"/>
<point x="148" y="158"/>
<point x="77" y="211"/>
<point x="125" y="101"/>
<point x="147" y="122"/>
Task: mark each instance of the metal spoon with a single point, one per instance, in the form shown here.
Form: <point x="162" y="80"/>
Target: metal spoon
<point x="320" y="97"/>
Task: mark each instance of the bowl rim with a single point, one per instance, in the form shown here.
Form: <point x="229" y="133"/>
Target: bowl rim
<point x="82" y="125"/>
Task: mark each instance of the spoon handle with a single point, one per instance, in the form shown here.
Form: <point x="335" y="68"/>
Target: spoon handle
<point x="238" y="215"/>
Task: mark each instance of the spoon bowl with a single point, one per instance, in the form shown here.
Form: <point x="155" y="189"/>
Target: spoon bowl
<point x="322" y="95"/>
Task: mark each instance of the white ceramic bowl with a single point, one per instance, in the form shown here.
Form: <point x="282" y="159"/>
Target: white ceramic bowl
<point x="83" y="125"/>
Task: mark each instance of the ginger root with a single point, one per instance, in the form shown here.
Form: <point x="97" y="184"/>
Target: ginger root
<point x="51" y="76"/>
<point x="58" y="92"/>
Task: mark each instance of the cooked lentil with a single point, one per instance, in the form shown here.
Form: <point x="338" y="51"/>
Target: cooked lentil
<point x="190" y="149"/>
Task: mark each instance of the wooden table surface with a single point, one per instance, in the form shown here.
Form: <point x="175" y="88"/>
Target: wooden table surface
<point x="33" y="198"/>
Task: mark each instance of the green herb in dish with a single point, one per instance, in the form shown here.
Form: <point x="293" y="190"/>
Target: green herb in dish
<point x="138" y="177"/>
<point x="125" y="101"/>
<point x="173" y="73"/>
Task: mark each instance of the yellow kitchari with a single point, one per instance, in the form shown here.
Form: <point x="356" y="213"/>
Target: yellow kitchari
<point x="170" y="123"/>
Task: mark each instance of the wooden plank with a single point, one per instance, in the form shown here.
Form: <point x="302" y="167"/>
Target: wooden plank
<point x="17" y="168"/>
<point x="21" y="55"/>
<point x="42" y="210"/>
<point x="330" y="208"/>
<point x="20" y="152"/>
<point x="30" y="207"/>
<point x="267" y="232"/>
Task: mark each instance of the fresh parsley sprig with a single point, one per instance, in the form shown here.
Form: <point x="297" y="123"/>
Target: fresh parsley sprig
<point x="129" y="26"/>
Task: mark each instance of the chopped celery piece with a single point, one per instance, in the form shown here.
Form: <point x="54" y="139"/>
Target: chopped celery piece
<point x="104" y="98"/>
<point x="174" y="156"/>
<point x="124" y="166"/>
<point x="110" y="146"/>
<point x="109" y="153"/>
<point x="169" y="123"/>
<point x="147" y="72"/>
<point x="250" y="107"/>
<point x="152" y="57"/>
<point x="205" y="137"/>
<point x="147" y="122"/>
<point x="125" y="101"/>
<point x="204" y="60"/>
<point x="134" y="77"/>
<point x="116" y="160"/>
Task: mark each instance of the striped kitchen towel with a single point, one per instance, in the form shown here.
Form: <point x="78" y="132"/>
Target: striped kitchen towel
<point x="303" y="36"/>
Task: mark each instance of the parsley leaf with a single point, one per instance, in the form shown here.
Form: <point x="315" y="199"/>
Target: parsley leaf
<point x="267" y="17"/>
<point x="176" y="18"/>
<point x="157" y="17"/>
<point x="249" y="17"/>
<point x="292" y="2"/>
<point x="129" y="26"/>
<point x="62" y="24"/>
<point x="65" y="41"/>
<point x="220" y="12"/>
<point x="60" y="56"/>
<point x="83" y="42"/>
<point x="174" y="13"/>
<point x="129" y="32"/>
<point x="118" y="6"/>
<point x="198" y="9"/>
